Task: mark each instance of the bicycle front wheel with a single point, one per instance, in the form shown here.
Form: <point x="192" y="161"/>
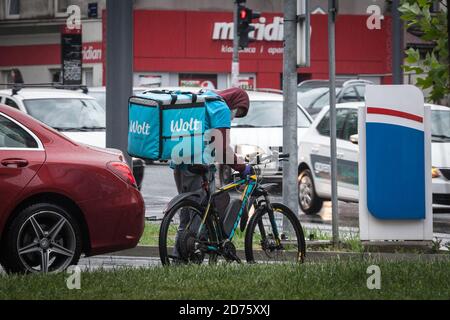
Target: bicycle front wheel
<point x="178" y="235"/>
<point x="274" y="237"/>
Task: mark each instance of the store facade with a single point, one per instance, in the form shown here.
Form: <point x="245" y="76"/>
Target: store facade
<point x="174" y="48"/>
<point x="194" y="48"/>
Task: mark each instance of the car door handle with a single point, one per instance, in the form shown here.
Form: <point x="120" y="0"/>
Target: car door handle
<point x="339" y="155"/>
<point x="14" y="163"/>
<point x="315" y="149"/>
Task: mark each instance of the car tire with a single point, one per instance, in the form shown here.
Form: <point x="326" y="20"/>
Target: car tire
<point x="42" y="238"/>
<point x="309" y="201"/>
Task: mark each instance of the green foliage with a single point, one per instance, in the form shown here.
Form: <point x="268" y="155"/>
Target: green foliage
<point x="337" y="279"/>
<point x="433" y="69"/>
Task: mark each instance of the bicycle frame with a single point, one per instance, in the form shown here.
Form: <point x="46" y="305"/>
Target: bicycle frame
<point x="251" y="183"/>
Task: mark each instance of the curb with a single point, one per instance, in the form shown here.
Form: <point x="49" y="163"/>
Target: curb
<point x="311" y="256"/>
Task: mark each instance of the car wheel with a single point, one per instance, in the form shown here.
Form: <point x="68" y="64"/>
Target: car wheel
<point x="308" y="200"/>
<point x="42" y="238"/>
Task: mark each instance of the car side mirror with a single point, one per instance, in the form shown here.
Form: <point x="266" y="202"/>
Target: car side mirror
<point x="354" y="138"/>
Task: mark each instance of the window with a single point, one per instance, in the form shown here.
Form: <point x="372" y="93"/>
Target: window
<point x="324" y="125"/>
<point x="322" y="101"/>
<point x="361" y="92"/>
<point x="351" y="125"/>
<point x="67" y="113"/>
<point x="349" y="95"/>
<point x="11" y="103"/>
<point x="12" y="9"/>
<point x="61" y="8"/>
<point x="13" y="136"/>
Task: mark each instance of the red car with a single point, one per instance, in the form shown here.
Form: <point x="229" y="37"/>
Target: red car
<point x="59" y="199"/>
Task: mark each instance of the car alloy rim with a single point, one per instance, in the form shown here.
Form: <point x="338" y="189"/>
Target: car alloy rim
<point x="46" y="242"/>
<point x="305" y="192"/>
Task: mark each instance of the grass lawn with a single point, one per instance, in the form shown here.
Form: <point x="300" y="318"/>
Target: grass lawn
<point x="330" y="280"/>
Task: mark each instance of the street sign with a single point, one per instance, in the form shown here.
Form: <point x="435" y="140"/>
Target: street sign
<point x="394" y="164"/>
<point x="71" y="56"/>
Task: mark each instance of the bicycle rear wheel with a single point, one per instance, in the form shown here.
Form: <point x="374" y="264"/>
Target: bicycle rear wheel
<point x="178" y="235"/>
<point x="261" y="243"/>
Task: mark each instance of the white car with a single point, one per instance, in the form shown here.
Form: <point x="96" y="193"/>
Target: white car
<point x="260" y="131"/>
<point x="75" y="114"/>
<point x="99" y="93"/>
<point x="314" y="158"/>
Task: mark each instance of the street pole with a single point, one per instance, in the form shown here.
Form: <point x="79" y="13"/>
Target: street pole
<point x="333" y="154"/>
<point x="119" y="72"/>
<point x="235" y="60"/>
<point x="290" y="146"/>
<point x="448" y="43"/>
<point x="397" y="44"/>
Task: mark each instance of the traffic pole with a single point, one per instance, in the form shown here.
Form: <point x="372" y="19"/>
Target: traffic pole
<point x="119" y="72"/>
<point x="290" y="146"/>
<point x="235" y="60"/>
<point x="332" y="12"/>
<point x="397" y="44"/>
<point x="448" y="43"/>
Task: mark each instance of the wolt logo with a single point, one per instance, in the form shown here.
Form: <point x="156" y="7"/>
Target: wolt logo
<point x="136" y="127"/>
<point x="183" y="125"/>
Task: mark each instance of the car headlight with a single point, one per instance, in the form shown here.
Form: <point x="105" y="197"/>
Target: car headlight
<point x="435" y="173"/>
<point x="249" y="150"/>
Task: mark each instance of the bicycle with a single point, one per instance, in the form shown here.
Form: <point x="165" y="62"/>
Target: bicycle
<point x="273" y="231"/>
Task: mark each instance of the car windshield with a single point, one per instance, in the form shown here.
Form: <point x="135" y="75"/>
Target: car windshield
<point x="306" y="98"/>
<point x="267" y="114"/>
<point x="100" y="96"/>
<point x="440" y="125"/>
<point x="67" y="113"/>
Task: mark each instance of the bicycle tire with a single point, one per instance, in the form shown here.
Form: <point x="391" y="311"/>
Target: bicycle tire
<point x="295" y="222"/>
<point x="165" y="224"/>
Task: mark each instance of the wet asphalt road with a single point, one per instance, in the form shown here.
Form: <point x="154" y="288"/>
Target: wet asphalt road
<point x="159" y="188"/>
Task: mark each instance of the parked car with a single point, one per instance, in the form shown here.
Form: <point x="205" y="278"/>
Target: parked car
<point x="260" y="131"/>
<point x="313" y="95"/>
<point x="73" y="113"/>
<point x="314" y="158"/>
<point x="99" y="93"/>
<point x="60" y="199"/>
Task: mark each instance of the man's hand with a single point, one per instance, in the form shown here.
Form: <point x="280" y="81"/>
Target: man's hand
<point x="248" y="171"/>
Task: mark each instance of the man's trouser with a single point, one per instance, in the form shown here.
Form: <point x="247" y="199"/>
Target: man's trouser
<point x="187" y="181"/>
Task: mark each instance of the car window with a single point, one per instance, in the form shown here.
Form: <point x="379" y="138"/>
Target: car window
<point x="307" y="98"/>
<point x="268" y="114"/>
<point x="324" y="125"/>
<point x="100" y="97"/>
<point x="440" y="125"/>
<point x="361" y="92"/>
<point x="351" y="125"/>
<point x="13" y="136"/>
<point x="349" y="95"/>
<point x="11" y="103"/>
<point x="321" y="102"/>
<point x="67" y="113"/>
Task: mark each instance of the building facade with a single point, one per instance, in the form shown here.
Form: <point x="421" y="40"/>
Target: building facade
<point x="189" y="43"/>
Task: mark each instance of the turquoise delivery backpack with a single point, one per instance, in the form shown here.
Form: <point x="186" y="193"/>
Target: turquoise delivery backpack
<point x="164" y="125"/>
